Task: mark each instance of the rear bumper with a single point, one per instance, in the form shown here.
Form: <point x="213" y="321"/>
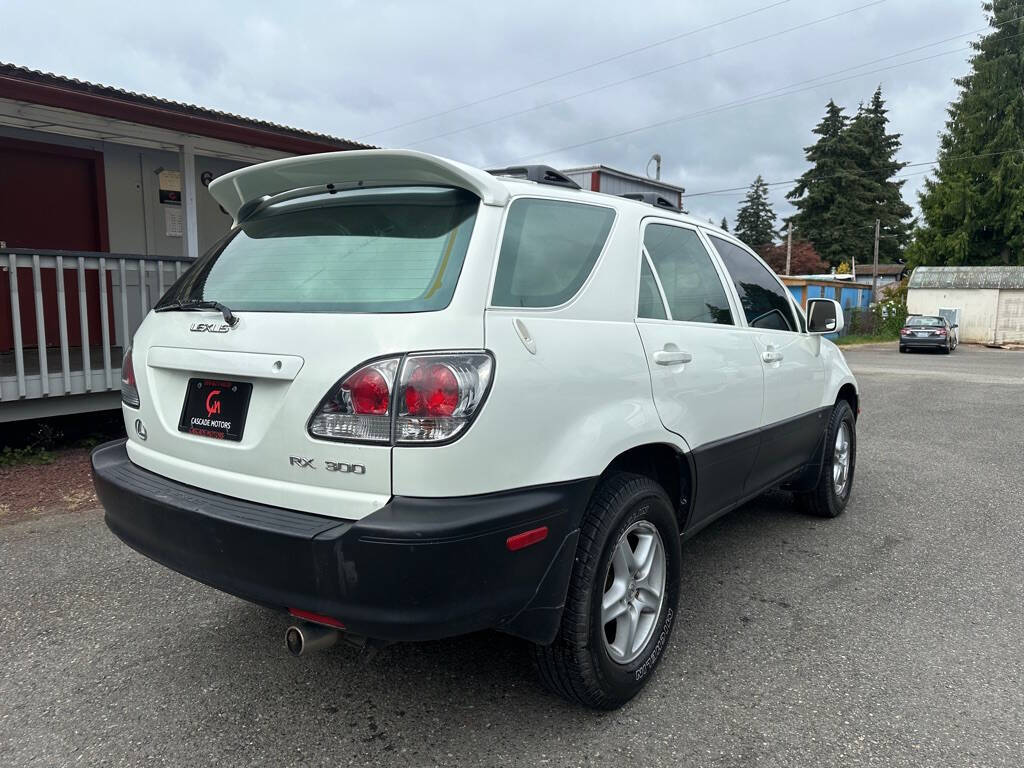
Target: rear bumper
<point x="933" y="342"/>
<point x="416" y="569"/>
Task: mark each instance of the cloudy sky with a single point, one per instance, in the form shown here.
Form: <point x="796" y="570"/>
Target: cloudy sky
<point x="722" y="90"/>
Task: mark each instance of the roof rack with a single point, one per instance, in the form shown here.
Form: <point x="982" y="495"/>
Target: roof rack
<point x="652" y="198"/>
<point x="542" y="174"/>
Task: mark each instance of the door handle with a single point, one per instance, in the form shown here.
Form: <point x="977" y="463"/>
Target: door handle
<point x="771" y="355"/>
<point x="664" y="357"/>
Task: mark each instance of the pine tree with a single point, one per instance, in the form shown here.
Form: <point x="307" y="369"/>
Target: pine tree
<point x="833" y="198"/>
<point x="973" y="210"/>
<point x="876" y="160"/>
<point x="755" y="220"/>
<point x="725" y="224"/>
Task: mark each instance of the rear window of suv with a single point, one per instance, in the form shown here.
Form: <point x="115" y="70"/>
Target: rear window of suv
<point x="379" y="250"/>
<point x="548" y="251"/>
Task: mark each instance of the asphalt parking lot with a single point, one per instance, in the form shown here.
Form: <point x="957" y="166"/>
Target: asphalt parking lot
<point x="891" y="636"/>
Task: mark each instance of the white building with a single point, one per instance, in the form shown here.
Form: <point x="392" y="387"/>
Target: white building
<point x="989" y="300"/>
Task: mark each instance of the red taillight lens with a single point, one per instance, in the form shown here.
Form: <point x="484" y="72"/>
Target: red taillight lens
<point x="432" y="391"/>
<point x="370" y="392"/>
<point x="358" y="408"/>
<point x="904" y="331"/>
<point x="129" y="387"/>
<point x="439" y="395"/>
<point x="436" y="396"/>
<point x="941" y="331"/>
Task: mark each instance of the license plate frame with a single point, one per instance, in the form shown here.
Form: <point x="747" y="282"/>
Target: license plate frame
<point x="215" y="408"/>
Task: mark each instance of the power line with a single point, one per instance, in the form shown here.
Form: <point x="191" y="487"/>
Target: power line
<point x="766" y="96"/>
<point x="648" y="73"/>
<point x="566" y="73"/>
<point x="757" y="98"/>
<point x="835" y="175"/>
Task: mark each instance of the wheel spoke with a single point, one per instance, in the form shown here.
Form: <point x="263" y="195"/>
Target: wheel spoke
<point x="613" y="602"/>
<point x="643" y="557"/>
<point x="622" y="559"/>
<point x="648" y="598"/>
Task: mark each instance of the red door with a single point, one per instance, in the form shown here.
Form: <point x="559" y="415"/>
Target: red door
<point x="51" y="198"/>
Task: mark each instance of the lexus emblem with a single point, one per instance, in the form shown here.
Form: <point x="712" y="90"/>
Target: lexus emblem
<point x="209" y="328"/>
<point x="140" y="429"/>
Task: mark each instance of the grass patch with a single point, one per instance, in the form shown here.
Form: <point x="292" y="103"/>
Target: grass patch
<point x="13" y="457"/>
<point x="863" y="338"/>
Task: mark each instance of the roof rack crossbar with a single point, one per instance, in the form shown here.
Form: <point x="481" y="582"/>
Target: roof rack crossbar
<point x="653" y="198"/>
<point x="542" y="174"/>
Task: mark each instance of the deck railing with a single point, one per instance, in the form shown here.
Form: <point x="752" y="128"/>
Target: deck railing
<point x="50" y="349"/>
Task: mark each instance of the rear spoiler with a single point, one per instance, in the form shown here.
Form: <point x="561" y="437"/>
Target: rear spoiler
<point x="245" y="187"/>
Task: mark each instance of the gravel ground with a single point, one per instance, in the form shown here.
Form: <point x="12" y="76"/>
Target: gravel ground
<point x="889" y="637"/>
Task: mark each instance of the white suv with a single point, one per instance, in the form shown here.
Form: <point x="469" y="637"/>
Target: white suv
<point x="407" y="399"/>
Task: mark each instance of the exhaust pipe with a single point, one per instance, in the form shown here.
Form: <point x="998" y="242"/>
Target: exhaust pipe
<point x="306" y="638"/>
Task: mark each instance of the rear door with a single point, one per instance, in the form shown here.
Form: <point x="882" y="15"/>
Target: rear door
<point x="794" y="374"/>
<point x="705" y="372"/>
<point x="320" y="286"/>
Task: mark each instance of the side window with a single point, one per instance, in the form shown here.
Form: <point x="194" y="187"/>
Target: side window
<point x="548" y="250"/>
<point x="650" y="304"/>
<point x="764" y="301"/>
<point x="692" y="286"/>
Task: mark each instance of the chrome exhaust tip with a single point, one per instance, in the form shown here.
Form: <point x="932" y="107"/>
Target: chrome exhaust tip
<point x="306" y="638"/>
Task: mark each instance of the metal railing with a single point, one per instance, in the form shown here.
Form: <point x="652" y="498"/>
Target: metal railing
<point x="128" y="285"/>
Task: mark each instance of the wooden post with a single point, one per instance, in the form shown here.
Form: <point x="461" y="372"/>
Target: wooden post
<point x="874" y="270"/>
<point x="789" y="246"/>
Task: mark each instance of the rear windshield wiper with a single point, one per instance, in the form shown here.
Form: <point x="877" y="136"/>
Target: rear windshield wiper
<point x="229" y="316"/>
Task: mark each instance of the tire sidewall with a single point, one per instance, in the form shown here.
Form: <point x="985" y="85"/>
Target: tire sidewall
<point x="625" y="680"/>
<point x="842" y="414"/>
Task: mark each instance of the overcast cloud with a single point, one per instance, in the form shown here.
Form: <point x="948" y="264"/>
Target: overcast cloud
<point x="351" y="69"/>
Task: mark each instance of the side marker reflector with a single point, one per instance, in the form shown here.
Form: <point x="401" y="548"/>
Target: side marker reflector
<point x="526" y="538"/>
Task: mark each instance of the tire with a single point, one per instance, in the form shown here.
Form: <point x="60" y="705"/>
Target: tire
<point x="947" y="349"/>
<point x="580" y="664"/>
<point x="903" y="349"/>
<point x="824" y="500"/>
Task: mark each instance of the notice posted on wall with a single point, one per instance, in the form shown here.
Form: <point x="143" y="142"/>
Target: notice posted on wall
<point x="170" y="187"/>
<point x="173" y="220"/>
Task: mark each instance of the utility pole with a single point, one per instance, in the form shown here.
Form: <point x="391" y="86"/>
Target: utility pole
<point x="874" y="270"/>
<point x="789" y="246"/>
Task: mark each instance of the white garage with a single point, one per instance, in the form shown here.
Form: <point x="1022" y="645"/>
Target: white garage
<point x="988" y="302"/>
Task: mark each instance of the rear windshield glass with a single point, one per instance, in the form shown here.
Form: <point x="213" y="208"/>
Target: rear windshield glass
<point x="548" y="250"/>
<point x="383" y="250"/>
<point x="925" y="321"/>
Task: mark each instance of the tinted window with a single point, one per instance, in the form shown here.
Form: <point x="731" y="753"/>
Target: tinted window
<point x="925" y="320"/>
<point x="384" y="250"/>
<point x="547" y="252"/>
<point x="650" y="304"/>
<point x="765" y="302"/>
<point x="692" y="287"/>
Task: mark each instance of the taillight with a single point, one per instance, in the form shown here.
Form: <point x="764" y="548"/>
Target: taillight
<point x="359" y="406"/>
<point x="129" y="387"/>
<point x="439" y="394"/>
<point x="904" y="331"/>
<point x="416" y="399"/>
<point x="941" y="331"/>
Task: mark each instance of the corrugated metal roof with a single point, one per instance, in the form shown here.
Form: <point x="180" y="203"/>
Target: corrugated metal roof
<point x="624" y="174"/>
<point x="96" y="89"/>
<point x="968" y="277"/>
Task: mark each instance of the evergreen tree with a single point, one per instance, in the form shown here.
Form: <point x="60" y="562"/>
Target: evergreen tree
<point x="755" y="220"/>
<point x="876" y="159"/>
<point x="833" y="197"/>
<point x="725" y="224"/>
<point x="973" y="209"/>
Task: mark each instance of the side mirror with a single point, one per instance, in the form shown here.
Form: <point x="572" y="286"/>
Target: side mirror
<point x="956" y="325"/>
<point x="824" y="316"/>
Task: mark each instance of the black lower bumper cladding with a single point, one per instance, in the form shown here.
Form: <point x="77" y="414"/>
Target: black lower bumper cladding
<point x="416" y="569"/>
